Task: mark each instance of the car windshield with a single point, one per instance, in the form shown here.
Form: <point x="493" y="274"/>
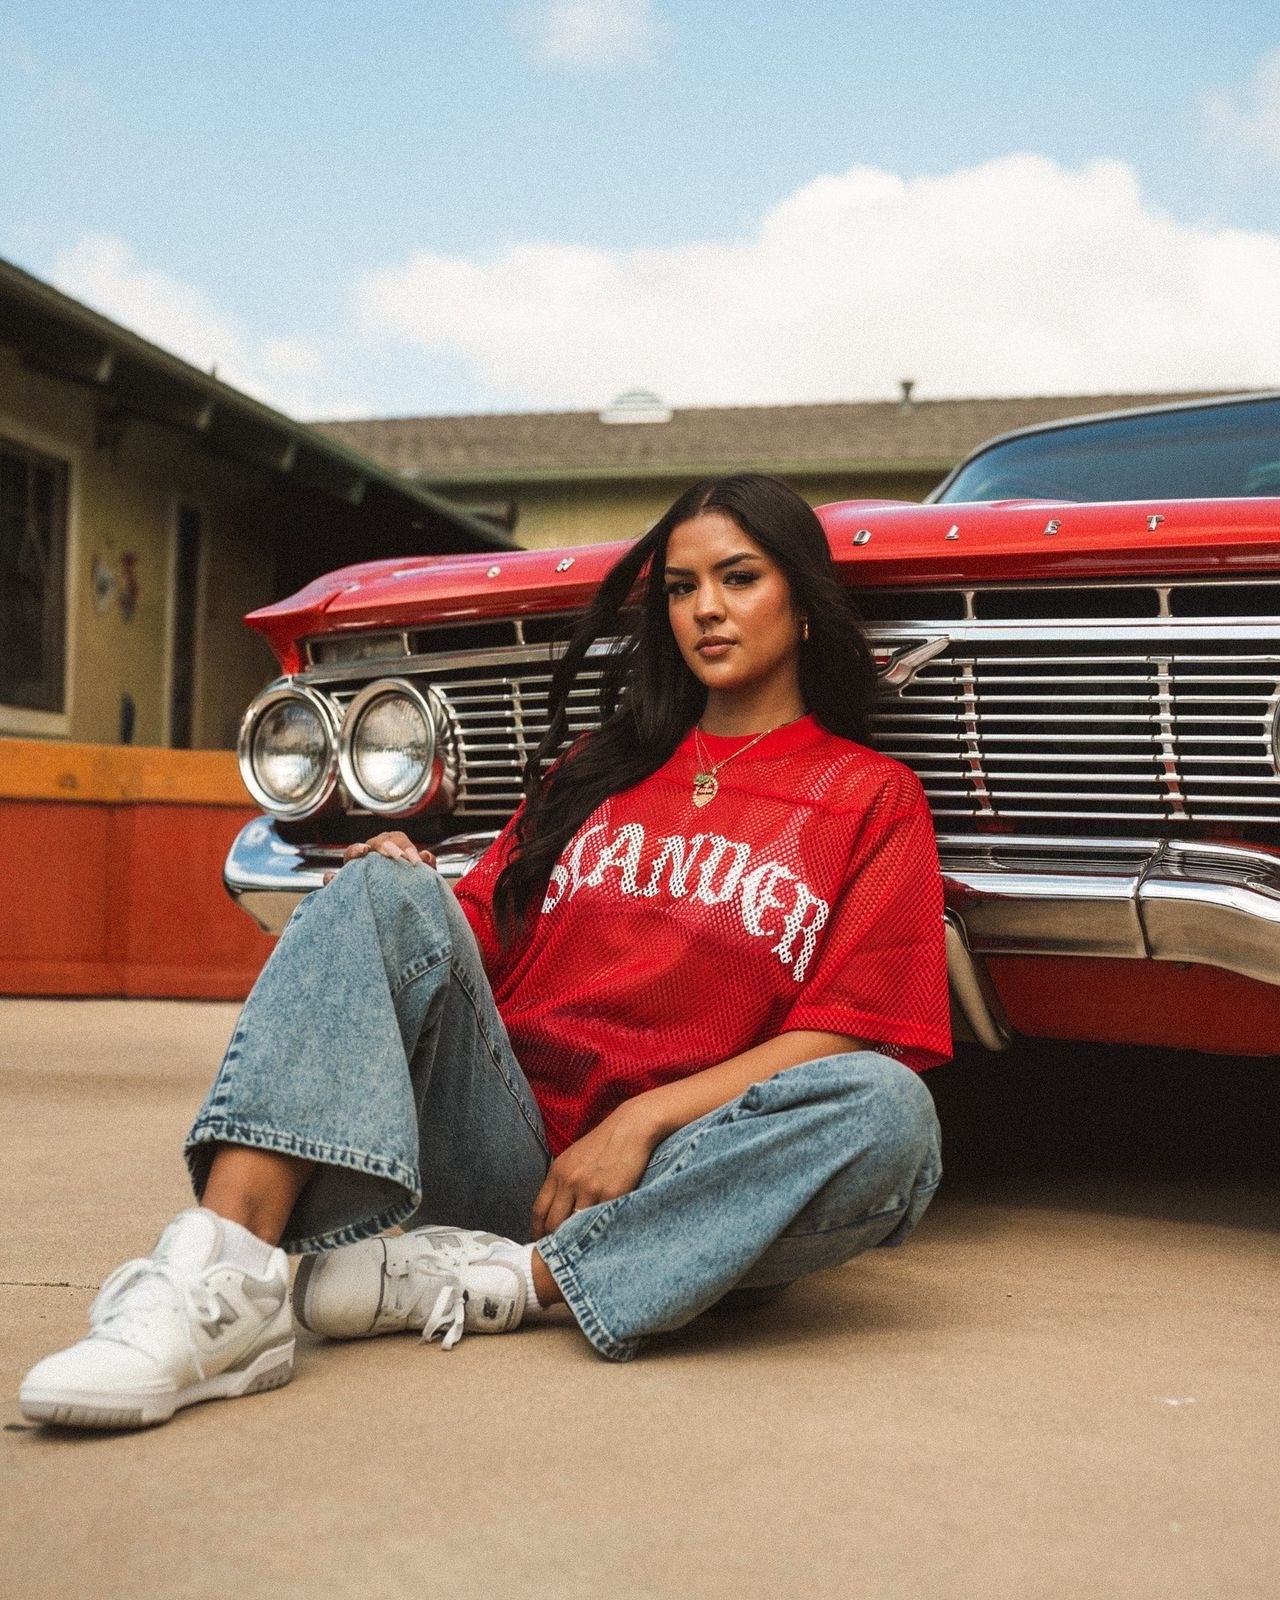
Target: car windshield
<point x="1202" y="452"/>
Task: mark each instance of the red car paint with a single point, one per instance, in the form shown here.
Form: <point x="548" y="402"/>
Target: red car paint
<point x="909" y="545"/>
<point x="878" y="544"/>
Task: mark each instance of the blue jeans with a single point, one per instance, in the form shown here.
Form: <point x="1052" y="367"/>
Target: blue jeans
<point x="371" y="1045"/>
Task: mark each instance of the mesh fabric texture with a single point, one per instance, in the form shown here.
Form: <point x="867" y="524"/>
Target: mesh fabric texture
<point x="805" y="895"/>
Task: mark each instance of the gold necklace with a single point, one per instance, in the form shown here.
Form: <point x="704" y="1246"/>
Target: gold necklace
<point x="705" y="787"/>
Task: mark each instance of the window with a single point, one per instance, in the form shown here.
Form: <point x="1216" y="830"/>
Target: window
<point x="1182" y="453"/>
<point x="186" y="597"/>
<point x="33" y="562"/>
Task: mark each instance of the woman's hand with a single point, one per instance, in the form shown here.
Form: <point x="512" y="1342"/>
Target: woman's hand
<point x="395" y="846"/>
<point x="610" y="1160"/>
<point x="607" y="1162"/>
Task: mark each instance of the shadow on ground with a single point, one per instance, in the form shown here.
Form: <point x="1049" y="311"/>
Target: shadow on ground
<point x="1048" y="1107"/>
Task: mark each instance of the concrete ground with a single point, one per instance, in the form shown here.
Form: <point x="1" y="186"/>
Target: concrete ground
<point x="1065" y="1385"/>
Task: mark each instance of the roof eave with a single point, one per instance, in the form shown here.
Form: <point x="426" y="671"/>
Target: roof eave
<point x="57" y="335"/>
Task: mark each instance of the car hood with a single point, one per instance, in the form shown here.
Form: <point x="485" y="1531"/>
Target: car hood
<point x="874" y="543"/>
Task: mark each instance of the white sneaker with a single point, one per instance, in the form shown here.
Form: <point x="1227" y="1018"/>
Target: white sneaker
<point x="166" y="1331"/>
<point x="441" y="1280"/>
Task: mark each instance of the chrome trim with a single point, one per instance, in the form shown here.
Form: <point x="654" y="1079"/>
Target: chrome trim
<point x="1047" y="896"/>
<point x="288" y="689"/>
<point x="1275" y="730"/>
<point x="267" y="877"/>
<point x="1049" y="721"/>
<point x="976" y="1012"/>
<point x="505" y="655"/>
<point x="1168" y="736"/>
<point x="902" y="666"/>
<point x="439" y="781"/>
<point x="1160" y="900"/>
<point x="340" y="642"/>
<point x="1223" y="897"/>
<point x="1125" y="585"/>
<point x="1206" y="904"/>
<point x="1158" y="631"/>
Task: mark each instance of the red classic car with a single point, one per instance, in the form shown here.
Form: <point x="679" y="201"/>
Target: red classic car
<point x="1088" y="689"/>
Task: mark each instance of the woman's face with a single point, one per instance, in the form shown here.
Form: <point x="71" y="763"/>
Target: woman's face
<point x="733" y="618"/>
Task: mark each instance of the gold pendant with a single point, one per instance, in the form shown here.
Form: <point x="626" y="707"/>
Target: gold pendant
<point x="705" y="788"/>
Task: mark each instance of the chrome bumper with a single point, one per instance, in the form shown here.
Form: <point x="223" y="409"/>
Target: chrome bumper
<point x="1155" y="900"/>
<point x="1150" y="899"/>
<point x="266" y="876"/>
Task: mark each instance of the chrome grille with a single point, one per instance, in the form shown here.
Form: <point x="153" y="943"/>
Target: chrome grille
<point x="1169" y="719"/>
<point x="1063" y="730"/>
<point x="502" y="720"/>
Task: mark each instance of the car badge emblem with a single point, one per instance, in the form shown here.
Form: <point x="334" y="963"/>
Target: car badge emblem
<point x="896" y="668"/>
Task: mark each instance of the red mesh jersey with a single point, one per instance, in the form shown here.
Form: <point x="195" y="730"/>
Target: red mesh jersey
<point x="805" y="895"/>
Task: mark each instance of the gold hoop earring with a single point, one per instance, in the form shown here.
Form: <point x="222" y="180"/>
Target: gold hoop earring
<point x="804" y="630"/>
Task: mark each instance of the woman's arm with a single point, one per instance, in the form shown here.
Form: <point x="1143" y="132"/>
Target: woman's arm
<point x="668" y="1109"/>
<point x="611" y="1158"/>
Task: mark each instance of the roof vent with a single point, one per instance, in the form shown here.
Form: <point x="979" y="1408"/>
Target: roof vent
<point x="636" y="405"/>
<point x="906" y="385"/>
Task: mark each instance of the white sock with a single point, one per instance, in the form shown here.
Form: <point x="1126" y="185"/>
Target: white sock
<point x="521" y="1258"/>
<point x="244" y="1249"/>
<point x="532" y="1303"/>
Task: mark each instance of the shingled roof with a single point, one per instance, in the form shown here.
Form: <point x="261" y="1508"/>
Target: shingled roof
<point x="871" y="436"/>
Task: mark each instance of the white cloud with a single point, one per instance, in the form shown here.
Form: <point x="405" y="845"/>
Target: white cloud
<point x="104" y="272"/>
<point x="1015" y="277"/>
<point x="602" y="33"/>
<point x="1254" y="127"/>
<point x="290" y="373"/>
<point x="55" y="85"/>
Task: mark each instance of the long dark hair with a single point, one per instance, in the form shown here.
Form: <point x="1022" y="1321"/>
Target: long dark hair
<point x="647" y="699"/>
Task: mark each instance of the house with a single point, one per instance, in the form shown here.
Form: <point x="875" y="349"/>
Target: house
<point x="566" y="477"/>
<point x="145" y="506"/>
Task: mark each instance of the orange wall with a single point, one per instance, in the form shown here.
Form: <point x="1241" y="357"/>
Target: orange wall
<point x="112" y="877"/>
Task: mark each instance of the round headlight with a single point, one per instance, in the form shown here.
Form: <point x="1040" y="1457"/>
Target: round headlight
<point x="287" y="754"/>
<point x="391" y="749"/>
<point x="394" y="751"/>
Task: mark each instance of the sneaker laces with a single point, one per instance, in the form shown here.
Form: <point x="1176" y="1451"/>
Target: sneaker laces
<point x="131" y="1295"/>
<point x="422" y="1274"/>
<point x="446" y="1319"/>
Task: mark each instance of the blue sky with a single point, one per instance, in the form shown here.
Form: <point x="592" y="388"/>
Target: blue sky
<point x="399" y="206"/>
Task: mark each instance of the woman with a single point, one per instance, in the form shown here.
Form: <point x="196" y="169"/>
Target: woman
<point x="657" y="1050"/>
